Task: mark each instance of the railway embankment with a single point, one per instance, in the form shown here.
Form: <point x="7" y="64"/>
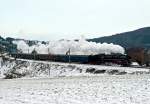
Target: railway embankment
<point x="11" y="68"/>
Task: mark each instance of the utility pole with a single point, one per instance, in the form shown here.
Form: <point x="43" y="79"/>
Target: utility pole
<point x="49" y="70"/>
<point x="48" y="51"/>
<point x="69" y="56"/>
<point x="28" y="51"/>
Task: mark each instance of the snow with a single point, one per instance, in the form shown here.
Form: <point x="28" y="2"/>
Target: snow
<point x="81" y="47"/>
<point x="63" y="83"/>
<point x="128" y="89"/>
<point x="135" y="64"/>
<point x="43" y="69"/>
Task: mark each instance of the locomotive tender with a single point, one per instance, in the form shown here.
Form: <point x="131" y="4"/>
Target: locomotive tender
<point x="98" y="59"/>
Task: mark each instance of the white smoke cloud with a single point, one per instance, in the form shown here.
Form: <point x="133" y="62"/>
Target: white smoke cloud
<point x="81" y="47"/>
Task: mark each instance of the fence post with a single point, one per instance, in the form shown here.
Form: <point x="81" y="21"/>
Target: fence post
<point x="49" y="70"/>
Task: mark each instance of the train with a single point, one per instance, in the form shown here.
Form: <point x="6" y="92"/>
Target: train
<point x="99" y="59"/>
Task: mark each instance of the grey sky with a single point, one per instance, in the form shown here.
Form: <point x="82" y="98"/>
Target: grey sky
<point x="57" y="19"/>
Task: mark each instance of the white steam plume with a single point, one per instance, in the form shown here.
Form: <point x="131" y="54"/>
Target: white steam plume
<point x="81" y="47"/>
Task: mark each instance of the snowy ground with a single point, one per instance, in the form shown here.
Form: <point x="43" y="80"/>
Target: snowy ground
<point x="42" y="69"/>
<point x="126" y="89"/>
<point x="62" y="83"/>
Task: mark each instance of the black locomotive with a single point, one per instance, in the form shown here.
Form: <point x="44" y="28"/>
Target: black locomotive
<point x="99" y="59"/>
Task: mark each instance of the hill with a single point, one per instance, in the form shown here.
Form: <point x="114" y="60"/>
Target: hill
<point x="136" y="38"/>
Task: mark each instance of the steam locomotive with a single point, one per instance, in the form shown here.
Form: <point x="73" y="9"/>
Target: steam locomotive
<point x="99" y="59"/>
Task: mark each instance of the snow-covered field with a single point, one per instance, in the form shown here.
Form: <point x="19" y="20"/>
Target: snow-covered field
<point x="40" y="82"/>
<point x="126" y="89"/>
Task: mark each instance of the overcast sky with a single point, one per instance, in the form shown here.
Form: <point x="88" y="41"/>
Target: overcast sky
<point x="69" y="19"/>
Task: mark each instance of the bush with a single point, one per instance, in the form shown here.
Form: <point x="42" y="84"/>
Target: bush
<point x="113" y="72"/>
<point x="90" y="70"/>
<point x="99" y="71"/>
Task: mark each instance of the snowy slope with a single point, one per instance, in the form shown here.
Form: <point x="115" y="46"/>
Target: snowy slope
<point x="29" y="68"/>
